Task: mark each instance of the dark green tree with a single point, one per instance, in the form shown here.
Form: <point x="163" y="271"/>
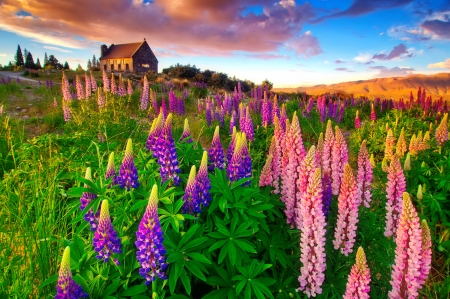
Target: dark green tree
<point x="52" y="61"/>
<point x="45" y="59"/>
<point x="94" y="61"/>
<point x="19" y="57"/>
<point x="89" y="64"/>
<point x="29" y="62"/>
<point x="38" y="64"/>
<point x="66" y="66"/>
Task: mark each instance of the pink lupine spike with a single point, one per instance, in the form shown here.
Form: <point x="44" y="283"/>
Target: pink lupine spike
<point x="357" y="120"/>
<point x="327" y="149"/>
<point x="395" y="187"/>
<point x="312" y="242"/>
<point x="364" y="176"/>
<point x="319" y="150"/>
<point x="441" y="133"/>
<point x="339" y="158"/>
<point x="406" y="272"/>
<point x="345" y="233"/>
<point x="305" y="172"/>
<point x="425" y="261"/>
<point x="276" y="162"/>
<point x="358" y="281"/>
<point x="389" y="147"/>
<point x="401" y="144"/>
<point x="266" y="178"/>
<point x="373" y="114"/>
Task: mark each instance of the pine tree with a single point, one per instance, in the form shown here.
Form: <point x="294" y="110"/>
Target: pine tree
<point x="25" y="53"/>
<point x="29" y="62"/>
<point x="45" y="59"/>
<point x="66" y="66"/>
<point x="79" y="68"/>
<point x="38" y="64"/>
<point x="19" y="57"/>
<point x="89" y="64"/>
<point x="94" y="61"/>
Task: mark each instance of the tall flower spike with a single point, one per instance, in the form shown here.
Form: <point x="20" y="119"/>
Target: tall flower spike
<point x="236" y="169"/>
<point x="426" y="140"/>
<point x="144" y="95"/>
<point x="441" y="133"/>
<point x="93" y="83"/>
<point x="390" y="143"/>
<point x="79" y="86"/>
<point x="111" y="171"/>
<point x="327" y="148"/>
<point x="395" y="187"/>
<point x="149" y="242"/>
<point x="202" y="181"/>
<point x="373" y="114"/>
<point x="105" y="82"/>
<point x="128" y="174"/>
<point x="364" y="176"/>
<point x="215" y="152"/>
<point x="113" y="84"/>
<point x="129" y="87"/>
<point x="401" y="144"/>
<point x="312" y="241"/>
<point x="327" y="194"/>
<point x="67" y="288"/>
<point x="345" y="233"/>
<point x="413" y="145"/>
<point x="406" y="271"/>
<point x="232" y="144"/>
<point x="246" y="159"/>
<point x="186" y="136"/>
<point x="265" y="178"/>
<point x="358" y="281"/>
<point x="407" y="165"/>
<point x="276" y="162"/>
<point x="425" y="261"/>
<point x="100" y="99"/>
<point x="167" y="155"/>
<point x="105" y="240"/>
<point x="339" y="158"/>
<point x="249" y="130"/>
<point x="153" y="135"/>
<point x="85" y="200"/>
<point x="319" y="150"/>
<point x="88" y="86"/>
<point x="357" y="120"/>
<point x="191" y="203"/>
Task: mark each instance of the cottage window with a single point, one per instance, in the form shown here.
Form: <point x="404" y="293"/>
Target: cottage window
<point x="119" y="67"/>
<point x="112" y="67"/>
<point x="145" y="65"/>
<point x="127" y="67"/>
<point x="104" y="67"/>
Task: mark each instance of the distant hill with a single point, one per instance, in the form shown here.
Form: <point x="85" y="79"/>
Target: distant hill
<point x="437" y="85"/>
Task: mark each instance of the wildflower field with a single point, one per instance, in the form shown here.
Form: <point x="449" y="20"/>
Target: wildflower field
<point x="112" y="188"/>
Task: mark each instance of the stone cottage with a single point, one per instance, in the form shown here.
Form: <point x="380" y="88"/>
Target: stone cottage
<point x="134" y="57"/>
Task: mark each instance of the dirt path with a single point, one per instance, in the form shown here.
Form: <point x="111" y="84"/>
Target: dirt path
<point x="15" y="75"/>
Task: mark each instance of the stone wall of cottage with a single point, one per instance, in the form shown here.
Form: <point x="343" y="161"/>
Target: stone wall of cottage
<point x="144" y="60"/>
<point x="117" y="65"/>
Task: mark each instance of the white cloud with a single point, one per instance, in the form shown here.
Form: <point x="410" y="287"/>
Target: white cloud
<point x="3" y="54"/>
<point x="57" y="49"/>
<point x="440" y="65"/>
<point x="363" y="57"/>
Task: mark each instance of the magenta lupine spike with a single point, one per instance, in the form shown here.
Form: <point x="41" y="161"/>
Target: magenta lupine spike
<point x="373" y="114"/>
<point x="234" y="169"/>
<point x="149" y="242"/>
<point x="293" y="153"/>
<point x="265" y="178"/>
<point x="167" y="155"/>
<point x="327" y="148"/>
<point x="121" y="91"/>
<point x="111" y="170"/>
<point x="345" y="233"/>
<point x="129" y="87"/>
<point x="191" y="202"/>
<point x="312" y="241"/>
<point x="100" y="99"/>
<point x="113" y="84"/>
<point x="425" y="261"/>
<point x="88" y="86"/>
<point x="79" y="87"/>
<point x="441" y="133"/>
<point x="65" y="87"/>
<point x="180" y="106"/>
<point x="286" y="145"/>
<point x="202" y="181"/>
<point x="275" y="108"/>
<point x="265" y="112"/>
<point x="283" y="117"/>
<point x="357" y="120"/>
<point x="395" y="187"/>
<point x="327" y="194"/>
<point x="232" y="121"/>
<point x="242" y="113"/>
<point x="359" y="279"/>
<point x="276" y="162"/>
<point x="144" y="95"/>
<point x="319" y="150"/>
<point x="172" y="101"/>
<point x="339" y="157"/>
<point x="66" y="110"/>
<point x="93" y="83"/>
<point x="231" y="145"/>
<point x="106" y="85"/>
<point x="164" y="107"/>
<point x="246" y="160"/>
<point x="215" y="152"/>
<point x="186" y="136"/>
<point x="406" y="271"/>
<point x="305" y="171"/>
<point x="249" y="130"/>
<point x="389" y="147"/>
<point x="85" y="200"/>
<point x="128" y="174"/>
<point x="364" y="176"/>
<point x="67" y="288"/>
<point x="105" y="240"/>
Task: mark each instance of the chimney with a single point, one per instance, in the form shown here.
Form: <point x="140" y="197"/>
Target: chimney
<point x="103" y="50"/>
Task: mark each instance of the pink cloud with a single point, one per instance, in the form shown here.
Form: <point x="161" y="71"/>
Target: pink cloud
<point x="343" y="69"/>
<point x="306" y="45"/>
<point x="398" y="51"/>
<point x="395" y="71"/>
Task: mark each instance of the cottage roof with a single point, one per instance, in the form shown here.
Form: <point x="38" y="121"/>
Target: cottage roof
<point x="122" y="50"/>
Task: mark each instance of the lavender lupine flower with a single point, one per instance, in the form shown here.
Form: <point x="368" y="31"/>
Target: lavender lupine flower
<point x="113" y="84"/>
<point x="105" y="240"/>
<point x="242" y="113"/>
<point x="67" y="288"/>
<point x="265" y="112"/>
<point x="149" y="242"/>
<point x="232" y="122"/>
<point x="111" y="171"/>
<point x="327" y="194"/>
<point x="406" y="275"/>
<point x="67" y="96"/>
<point x="66" y="110"/>
<point x="100" y="99"/>
<point x="327" y="148"/>
<point x="172" y="102"/>
<point x="357" y="120"/>
<point x="88" y="86"/>
<point x="144" y="96"/>
<point x="359" y="279"/>
<point x="235" y="170"/>
<point x="312" y="241"/>
<point x="167" y="155"/>
<point x="164" y="107"/>
<point x="208" y="114"/>
<point x="153" y="135"/>
<point x="121" y="91"/>
<point x="93" y="83"/>
<point x="215" y="152"/>
<point x="231" y="146"/>
<point x="180" y="106"/>
<point x="186" y="135"/>
<point x="364" y="176"/>
<point x="80" y="89"/>
<point x="128" y="174"/>
<point x="85" y="200"/>
<point x="246" y="160"/>
<point x="202" y="181"/>
<point x="283" y="117"/>
<point x="191" y="201"/>
<point x="129" y="87"/>
<point x="339" y="158"/>
<point x="249" y="130"/>
<point x="345" y="233"/>
<point x="395" y="187"/>
<point x="106" y="85"/>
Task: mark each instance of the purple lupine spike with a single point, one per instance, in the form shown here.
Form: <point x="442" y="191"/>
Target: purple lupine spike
<point x="80" y="89"/>
<point x="149" y="242"/>
<point x="111" y="171"/>
<point x="144" y="96"/>
<point x="265" y="112"/>
<point x="164" y="107"/>
<point x="129" y="87"/>
<point x="202" y="181"/>
<point x="191" y="201"/>
<point x="121" y="91"/>
<point x="222" y="117"/>
<point x="85" y="200"/>
<point x="283" y="118"/>
<point x="216" y="152"/>
<point x="106" y="84"/>
<point x="105" y="240"/>
<point x="249" y="130"/>
<point x="235" y="170"/>
<point x="93" y="83"/>
<point x="180" y="106"/>
<point x="208" y="115"/>
<point x="100" y="99"/>
<point x="172" y="102"/>
<point x="186" y="136"/>
<point x="155" y="132"/>
<point x="327" y="194"/>
<point x="167" y="155"/>
<point x="113" y="84"/>
<point x="67" y="288"/>
<point x="88" y="86"/>
<point x="231" y="145"/>
<point x="128" y="174"/>
<point x="246" y="159"/>
<point x="242" y="112"/>
<point x="232" y="121"/>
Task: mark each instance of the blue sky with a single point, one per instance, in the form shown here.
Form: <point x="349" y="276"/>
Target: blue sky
<point x="291" y="43"/>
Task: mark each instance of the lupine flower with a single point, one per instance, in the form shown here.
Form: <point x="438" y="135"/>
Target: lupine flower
<point x="390" y="143"/>
<point x="327" y="194"/>
<point x="208" y="114"/>
<point x="153" y="135"/>
<point x="373" y="114"/>
<point x="328" y="148"/>
<point x="249" y="130"/>
<point x="180" y="107"/>
<point x="111" y="171"/>
<point x="106" y="87"/>
<point x="144" y="95"/>
<point x="406" y="275"/>
<point x="283" y="117"/>
<point x="425" y="261"/>
<point x="155" y="105"/>
<point x="401" y="144"/>
<point x="312" y="241"/>
<point x="105" y="240"/>
<point x="79" y="87"/>
<point x="215" y="152"/>
<point x="186" y="136"/>
<point x="305" y="171"/>
<point x="242" y="112"/>
<point x="86" y="199"/>
<point x="149" y="242"/>
<point x="246" y="159"/>
<point x="172" y="102"/>
<point x="364" y="178"/>
<point x="275" y="108"/>
<point x="345" y="233"/>
<point x="234" y="169"/>
<point x="232" y="122"/>
<point x="419" y="142"/>
<point x="277" y="155"/>
<point x="339" y="157"/>
<point x="167" y="155"/>
<point x="113" y="84"/>
<point x="121" y="91"/>
<point x="66" y="110"/>
<point x="191" y="202"/>
<point x="88" y="86"/>
<point x="265" y="178"/>
<point x="426" y="140"/>
<point x="164" y="107"/>
<point x="413" y="150"/>
<point x="128" y="175"/>
<point x="319" y="150"/>
<point x="441" y="133"/>
<point x="265" y="112"/>
<point x="67" y="288"/>
<point x="395" y="187"/>
<point x="129" y="87"/>
<point x="202" y="181"/>
<point x="100" y="99"/>
<point x="93" y="83"/>
<point x="67" y="96"/>
<point x="384" y="165"/>
<point x="357" y="120"/>
<point x="359" y="279"/>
